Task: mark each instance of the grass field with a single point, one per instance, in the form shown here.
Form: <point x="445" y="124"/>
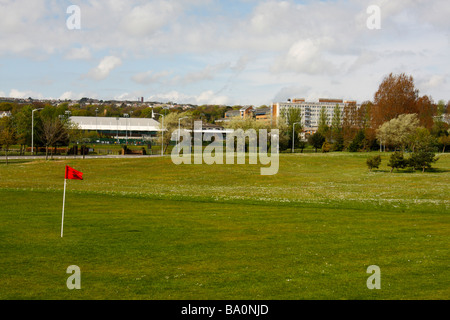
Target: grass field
<point x="148" y="229"/>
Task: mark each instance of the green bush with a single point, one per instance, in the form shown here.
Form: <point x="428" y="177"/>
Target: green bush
<point x="397" y="161"/>
<point x="373" y="162"/>
<point x="422" y="158"/>
<point x="326" y="147"/>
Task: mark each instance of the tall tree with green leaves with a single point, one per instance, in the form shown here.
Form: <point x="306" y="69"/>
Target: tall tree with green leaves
<point x="22" y="123"/>
<point x="323" y="127"/>
<point x="316" y="140"/>
<point x="336" y="129"/>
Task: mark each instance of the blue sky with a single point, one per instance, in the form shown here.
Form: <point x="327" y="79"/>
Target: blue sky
<point x="221" y="52"/>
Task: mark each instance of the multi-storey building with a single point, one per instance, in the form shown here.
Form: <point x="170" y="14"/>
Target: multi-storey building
<point x="310" y="111"/>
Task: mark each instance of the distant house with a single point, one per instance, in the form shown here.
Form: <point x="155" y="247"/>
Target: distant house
<point x="262" y="113"/>
<point x="246" y="112"/>
<point x="242" y="113"/>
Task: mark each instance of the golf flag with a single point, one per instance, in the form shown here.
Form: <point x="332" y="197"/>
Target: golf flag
<point x="71" y="174"/>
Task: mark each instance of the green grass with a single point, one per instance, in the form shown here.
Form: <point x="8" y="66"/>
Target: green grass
<point x="148" y="229"/>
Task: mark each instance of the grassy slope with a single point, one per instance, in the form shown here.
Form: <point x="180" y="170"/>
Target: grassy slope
<point x="147" y="229"/>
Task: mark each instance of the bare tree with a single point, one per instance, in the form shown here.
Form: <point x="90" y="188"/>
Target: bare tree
<point x="53" y="131"/>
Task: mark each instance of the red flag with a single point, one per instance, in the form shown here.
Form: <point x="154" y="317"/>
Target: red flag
<point x="71" y="173"/>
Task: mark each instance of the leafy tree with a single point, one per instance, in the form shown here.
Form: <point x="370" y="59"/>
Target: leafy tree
<point x="336" y="122"/>
<point x="6" y="106"/>
<point x="323" y="127"/>
<point x="22" y="123"/>
<point x="301" y="145"/>
<point x="373" y="162"/>
<point x="420" y="137"/>
<point x="396" y="95"/>
<point x="349" y="123"/>
<point x="426" y="111"/>
<point x="316" y="140"/>
<point x="424" y="152"/>
<point x="398" y="131"/>
<point x="444" y="141"/>
<point x="422" y="158"/>
<point x="358" y="142"/>
<point x="7" y="135"/>
<point x="397" y="161"/>
<point x="440" y="127"/>
<point x="338" y="144"/>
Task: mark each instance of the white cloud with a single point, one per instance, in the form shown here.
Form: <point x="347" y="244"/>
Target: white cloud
<point x="207" y="73"/>
<point x="69" y="95"/>
<point x="83" y="53"/>
<point x="429" y="83"/>
<point x="14" y="93"/>
<point x="149" y="77"/>
<point x="124" y="96"/>
<point x="291" y="92"/>
<point x="146" y="19"/>
<point x="305" y="56"/>
<point x="206" y="97"/>
<point x="104" y="68"/>
<point x="280" y="42"/>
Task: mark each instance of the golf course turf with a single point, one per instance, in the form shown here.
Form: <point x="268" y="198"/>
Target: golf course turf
<point x="149" y="229"/>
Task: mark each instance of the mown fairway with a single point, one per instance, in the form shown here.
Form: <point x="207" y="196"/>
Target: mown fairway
<point x="148" y="229"/>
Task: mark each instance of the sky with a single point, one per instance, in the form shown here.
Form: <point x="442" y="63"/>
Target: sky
<point x="234" y="52"/>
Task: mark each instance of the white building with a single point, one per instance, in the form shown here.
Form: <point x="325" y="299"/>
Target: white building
<point x="119" y="127"/>
<point x="310" y="111"/>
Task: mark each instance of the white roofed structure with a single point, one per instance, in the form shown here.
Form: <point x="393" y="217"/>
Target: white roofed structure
<point x="113" y="124"/>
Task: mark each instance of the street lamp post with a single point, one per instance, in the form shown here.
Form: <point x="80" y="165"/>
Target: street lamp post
<point x="96" y="128"/>
<point x="32" y="129"/>
<point x="126" y="126"/>
<point x="117" y="123"/>
<point x="293" y="132"/>
<point x="162" y="131"/>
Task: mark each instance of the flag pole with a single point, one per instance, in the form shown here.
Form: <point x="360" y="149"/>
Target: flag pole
<point x="64" y="201"/>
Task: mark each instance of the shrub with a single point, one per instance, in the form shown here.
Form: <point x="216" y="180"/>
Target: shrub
<point x="422" y="158"/>
<point x="397" y="161"/>
<point x="373" y="162"/>
<point x="326" y="147"/>
<point x="316" y="140"/>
